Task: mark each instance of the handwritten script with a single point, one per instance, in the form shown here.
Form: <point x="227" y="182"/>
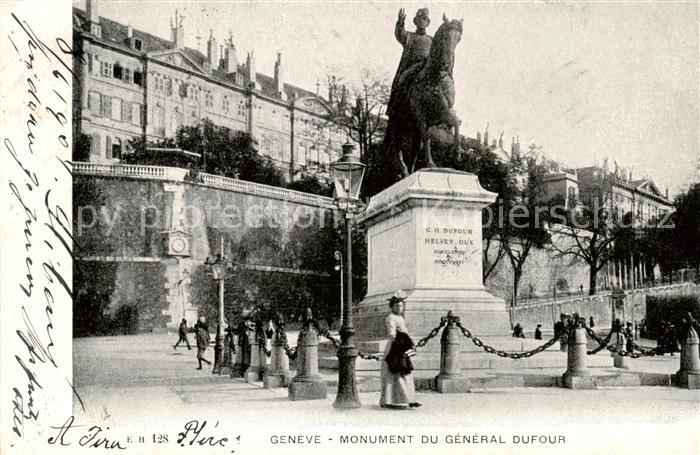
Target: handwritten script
<point x="37" y="177"/>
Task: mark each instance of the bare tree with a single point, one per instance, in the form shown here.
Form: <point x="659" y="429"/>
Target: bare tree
<point x="591" y="230"/>
<point x="360" y="110"/>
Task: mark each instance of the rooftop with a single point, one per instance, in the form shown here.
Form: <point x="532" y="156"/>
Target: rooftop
<point x="116" y="34"/>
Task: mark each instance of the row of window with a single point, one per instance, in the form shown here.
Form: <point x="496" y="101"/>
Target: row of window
<point x="116" y="71"/>
<point x="115" y="108"/>
<point x="164" y="86"/>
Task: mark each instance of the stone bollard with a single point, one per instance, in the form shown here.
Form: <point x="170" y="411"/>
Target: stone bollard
<point x="237" y="370"/>
<point x="278" y="375"/>
<point x="689" y="373"/>
<point x="253" y="373"/>
<point x="577" y="376"/>
<point x="619" y="361"/>
<point x="242" y="357"/>
<point x="307" y="384"/>
<point x="229" y="348"/>
<point x="450" y="379"/>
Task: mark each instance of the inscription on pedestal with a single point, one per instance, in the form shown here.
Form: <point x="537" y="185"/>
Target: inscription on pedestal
<point x="453" y="247"/>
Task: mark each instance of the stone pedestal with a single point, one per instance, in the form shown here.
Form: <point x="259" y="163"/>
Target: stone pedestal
<point x="424" y="236"/>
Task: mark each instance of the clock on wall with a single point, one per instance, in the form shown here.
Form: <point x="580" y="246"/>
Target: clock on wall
<point x="176" y="243"/>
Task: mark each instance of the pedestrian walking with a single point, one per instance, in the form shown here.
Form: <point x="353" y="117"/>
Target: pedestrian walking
<point x="538" y="332"/>
<point x="591" y="322"/>
<point x="201" y="323"/>
<point x="182" y="332"/>
<point x="397" y="387"/>
<point x="202" y="345"/>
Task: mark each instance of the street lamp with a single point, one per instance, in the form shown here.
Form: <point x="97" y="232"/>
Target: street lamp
<point x="339" y="267"/>
<point x="347" y="175"/>
<point x="218" y="266"/>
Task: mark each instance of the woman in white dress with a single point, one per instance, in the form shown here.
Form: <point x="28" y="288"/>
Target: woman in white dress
<point x="398" y="390"/>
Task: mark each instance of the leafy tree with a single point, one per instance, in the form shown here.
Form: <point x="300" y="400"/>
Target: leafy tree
<point x="81" y="147"/>
<point x="310" y="183"/>
<point x="382" y="171"/>
<point x="222" y="152"/>
<point x="686" y="220"/>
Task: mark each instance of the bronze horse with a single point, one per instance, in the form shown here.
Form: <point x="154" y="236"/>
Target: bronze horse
<point x="428" y="107"/>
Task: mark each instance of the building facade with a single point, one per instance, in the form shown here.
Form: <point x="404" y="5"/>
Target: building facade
<point x="132" y="84"/>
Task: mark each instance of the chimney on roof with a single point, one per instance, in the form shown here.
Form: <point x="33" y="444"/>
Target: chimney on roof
<point x="130" y="36"/>
<point x="666" y="192"/>
<point x="177" y="31"/>
<point x="212" y="50"/>
<point x="279" y="75"/>
<point x="514" y="148"/>
<point x="93" y="17"/>
<point x="250" y="68"/>
<point x="230" y="59"/>
<point x="486" y="136"/>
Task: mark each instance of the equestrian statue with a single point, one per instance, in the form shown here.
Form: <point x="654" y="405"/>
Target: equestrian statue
<point x="422" y="93"/>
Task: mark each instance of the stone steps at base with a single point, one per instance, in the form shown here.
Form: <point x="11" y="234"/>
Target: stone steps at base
<point x="513" y="379"/>
<point x="477" y="361"/>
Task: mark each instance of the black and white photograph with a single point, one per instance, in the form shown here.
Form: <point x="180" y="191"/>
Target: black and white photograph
<point x="350" y="227"/>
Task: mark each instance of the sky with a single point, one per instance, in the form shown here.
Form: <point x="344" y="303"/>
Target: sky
<point x="582" y="80"/>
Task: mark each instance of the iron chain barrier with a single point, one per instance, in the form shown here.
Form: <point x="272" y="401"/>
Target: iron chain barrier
<point x="433" y="333"/>
<point x="380" y="356"/>
<point x="327" y="334"/>
<point x="605" y="344"/>
<point x="602" y="343"/>
<point x="504" y="354"/>
<point x="421" y="343"/>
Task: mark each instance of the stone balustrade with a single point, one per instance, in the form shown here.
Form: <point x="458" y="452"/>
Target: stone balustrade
<point x="140" y="171"/>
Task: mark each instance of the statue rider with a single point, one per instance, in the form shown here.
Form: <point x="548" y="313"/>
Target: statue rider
<point x="416" y="47"/>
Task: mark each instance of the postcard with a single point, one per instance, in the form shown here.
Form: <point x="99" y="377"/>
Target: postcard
<point x="350" y="227"/>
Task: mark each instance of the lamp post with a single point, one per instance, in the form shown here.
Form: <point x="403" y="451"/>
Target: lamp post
<point x="347" y="175"/>
<point x="339" y="266"/>
<point x="218" y="267"/>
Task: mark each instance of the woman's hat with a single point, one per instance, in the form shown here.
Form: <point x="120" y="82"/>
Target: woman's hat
<point x="398" y="296"/>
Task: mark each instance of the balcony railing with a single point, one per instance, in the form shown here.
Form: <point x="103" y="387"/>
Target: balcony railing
<point x="138" y="171"/>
